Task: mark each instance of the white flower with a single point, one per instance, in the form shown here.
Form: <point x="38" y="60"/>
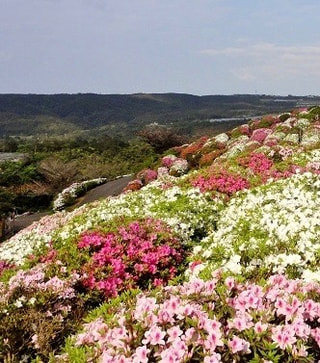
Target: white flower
<point x="311" y="276"/>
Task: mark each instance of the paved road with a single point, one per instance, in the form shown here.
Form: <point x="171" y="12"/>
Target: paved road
<point x="114" y="187"/>
<point x="25" y="220"/>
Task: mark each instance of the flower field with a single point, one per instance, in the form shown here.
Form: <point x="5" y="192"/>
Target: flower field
<point x="211" y="256"/>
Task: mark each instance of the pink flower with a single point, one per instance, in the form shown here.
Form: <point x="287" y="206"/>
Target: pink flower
<point x="240" y="323"/>
<point x="284" y="336"/>
<point x="213" y="340"/>
<point x="174" y="333"/>
<point x="154" y="336"/>
<point x="260" y="134"/>
<point x="260" y="328"/>
<point x="213" y="358"/>
<point x="141" y="355"/>
<point x="167" y="161"/>
<point x="311" y="309"/>
<point x="237" y="345"/>
<point x="230" y="283"/>
<point x="316" y="335"/>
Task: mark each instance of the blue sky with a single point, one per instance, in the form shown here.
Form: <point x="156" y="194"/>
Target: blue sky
<point x="188" y="46"/>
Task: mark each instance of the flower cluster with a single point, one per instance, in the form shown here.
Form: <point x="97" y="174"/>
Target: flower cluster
<point x="175" y="166"/>
<point x="36" y="310"/>
<point x="140" y="254"/>
<point x="147" y="175"/>
<point x="190" y="150"/>
<point x="260" y="135"/>
<point x="220" y="320"/>
<point x="5" y="265"/>
<point x="272" y="228"/>
<point x="37" y="235"/>
<point x="69" y="195"/>
<point x="185" y="210"/>
<point x="259" y="163"/>
<point x="223" y="183"/>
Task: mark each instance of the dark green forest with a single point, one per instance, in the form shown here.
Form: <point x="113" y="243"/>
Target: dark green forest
<point x="60" y="114"/>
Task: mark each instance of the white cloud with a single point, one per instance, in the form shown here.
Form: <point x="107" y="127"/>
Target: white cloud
<point x="243" y="74"/>
<point x="262" y="60"/>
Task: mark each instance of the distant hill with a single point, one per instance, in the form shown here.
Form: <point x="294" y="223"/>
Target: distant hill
<point x="30" y="114"/>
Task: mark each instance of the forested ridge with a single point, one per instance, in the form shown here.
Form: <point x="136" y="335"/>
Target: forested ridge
<point x="29" y="114"/>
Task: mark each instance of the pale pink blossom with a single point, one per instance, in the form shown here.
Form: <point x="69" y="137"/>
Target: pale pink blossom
<point x="238" y="345"/>
<point x="154" y="336"/>
<point x="283" y="336"/>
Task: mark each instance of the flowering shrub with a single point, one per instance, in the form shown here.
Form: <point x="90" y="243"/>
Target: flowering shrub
<point x="36" y="312"/>
<point x="273" y="228"/>
<point x="260" y="135"/>
<point x="174" y="165"/>
<point x="69" y="195"/>
<point x="220" y="320"/>
<point x="208" y="158"/>
<point x="147" y="175"/>
<point x="168" y="160"/>
<point x="133" y="185"/>
<point x="5" y="265"/>
<point x="179" y="167"/>
<point x="140" y="254"/>
<point x="258" y="163"/>
<point x="223" y="183"/>
<point x="189" y="152"/>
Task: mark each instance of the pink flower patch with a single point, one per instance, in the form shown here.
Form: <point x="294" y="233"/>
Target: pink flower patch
<point x="142" y="253"/>
<point x="260" y="134"/>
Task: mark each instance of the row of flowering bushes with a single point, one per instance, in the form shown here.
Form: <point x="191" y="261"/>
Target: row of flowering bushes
<point x="219" y="320"/>
<point x="214" y="257"/>
<point x="70" y="194"/>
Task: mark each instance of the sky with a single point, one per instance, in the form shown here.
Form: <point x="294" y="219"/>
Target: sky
<point x="199" y="47"/>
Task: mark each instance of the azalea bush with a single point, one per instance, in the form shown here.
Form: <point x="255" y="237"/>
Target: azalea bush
<point x="69" y="195"/>
<point x="142" y="254"/>
<point x="222" y="182"/>
<point x="37" y="312"/>
<point x="220" y="320"/>
<point x="271" y="228"/>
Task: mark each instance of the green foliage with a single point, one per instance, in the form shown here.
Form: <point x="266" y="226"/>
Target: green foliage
<point x="18" y="172"/>
<point x="6" y="202"/>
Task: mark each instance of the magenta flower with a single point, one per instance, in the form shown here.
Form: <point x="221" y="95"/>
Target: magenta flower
<point x="142" y="253"/>
<point x="223" y="183"/>
<point x="260" y="134"/>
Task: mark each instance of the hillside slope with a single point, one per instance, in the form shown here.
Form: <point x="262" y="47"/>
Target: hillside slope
<point x="63" y="113"/>
<point x="212" y="256"/>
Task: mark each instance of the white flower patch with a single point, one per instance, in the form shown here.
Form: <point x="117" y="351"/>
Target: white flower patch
<point x="38" y="234"/>
<point x="292" y="138"/>
<point x="186" y="211"/>
<point x="275" y="226"/>
<point x="221" y="138"/>
<point x="74" y="190"/>
<point x="302" y="123"/>
<point x="310" y="138"/>
<point x="236" y="148"/>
